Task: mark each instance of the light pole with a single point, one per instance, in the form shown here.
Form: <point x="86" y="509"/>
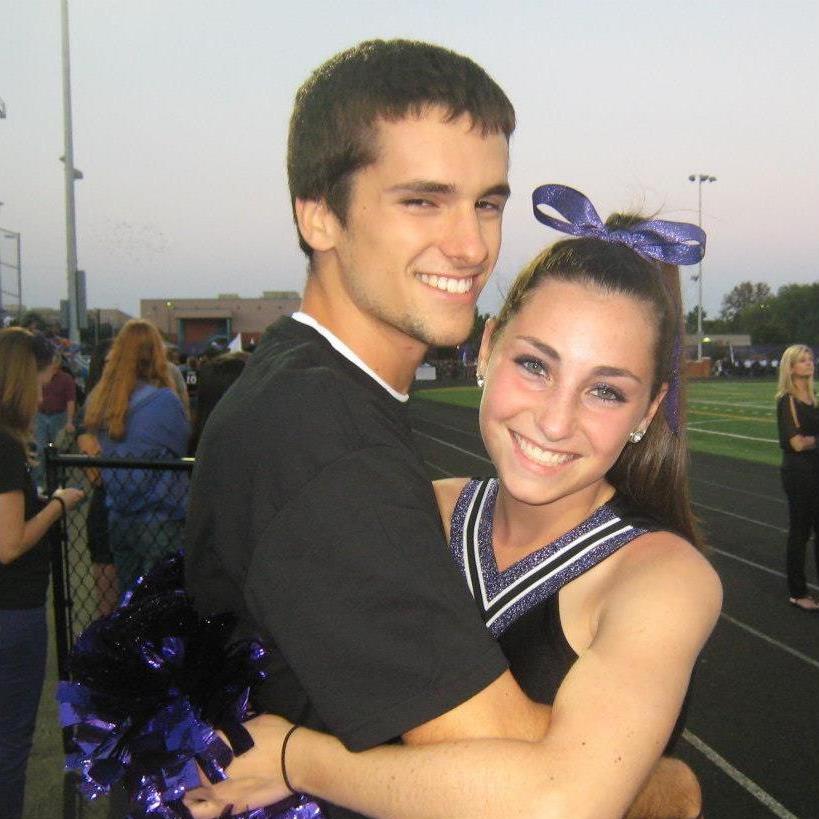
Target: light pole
<point x="17" y="267"/>
<point x="71" y="174"/>
<point x="699" y="178"/>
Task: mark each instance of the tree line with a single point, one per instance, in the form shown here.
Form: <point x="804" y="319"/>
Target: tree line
<point x="787" y="317"/>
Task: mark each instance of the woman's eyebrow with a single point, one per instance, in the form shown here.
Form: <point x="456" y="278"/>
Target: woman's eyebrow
<point x="617" y="372"/>
<point x="604" y="370"/>
<point x="544" y="348"/>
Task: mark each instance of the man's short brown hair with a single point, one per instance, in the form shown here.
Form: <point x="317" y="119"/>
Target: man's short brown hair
<point x="336" y="109"/>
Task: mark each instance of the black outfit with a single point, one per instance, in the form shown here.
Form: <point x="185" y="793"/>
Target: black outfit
<point x="311" y="516"/>
<point x="23" y="582"/>
<point x="23" y="636"/>
<point x="800" y="478"/>
<point x="521" y="604"/>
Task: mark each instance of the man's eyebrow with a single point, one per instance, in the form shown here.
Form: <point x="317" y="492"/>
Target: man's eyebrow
<point x="423" y="186"/>
<point x="501" y="189"/>
<point x="611" y="372"/>
<point x="444" y="188"/>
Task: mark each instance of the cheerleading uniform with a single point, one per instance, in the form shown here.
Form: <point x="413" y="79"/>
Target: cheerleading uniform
<point x="520" y="604"/>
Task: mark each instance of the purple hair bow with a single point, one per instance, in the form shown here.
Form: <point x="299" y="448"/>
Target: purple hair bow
<point x="670" y="242"/>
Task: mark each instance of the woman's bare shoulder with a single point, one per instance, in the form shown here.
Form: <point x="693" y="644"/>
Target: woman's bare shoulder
<point x="447" y="491"/>
<point x="665" y="566"/>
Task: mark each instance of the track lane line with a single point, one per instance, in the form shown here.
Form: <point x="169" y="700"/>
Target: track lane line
<point x="440" y="469"/>
<point x="756" y="565"/>
<point x="740" y="517"/>
<point x="761" y="795"/>
<point x="733" y="435"/>
<point x="770" y="498"/>
<point x="454" y="446"/>
<point x="762" y="636"/>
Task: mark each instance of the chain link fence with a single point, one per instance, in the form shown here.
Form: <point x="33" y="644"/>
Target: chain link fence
<point x="129" y="521"/>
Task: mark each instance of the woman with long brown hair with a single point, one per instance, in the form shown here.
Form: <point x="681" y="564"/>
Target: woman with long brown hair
<point x="135" y="413"/>
<point x="797" y="414"/>
<point x="24" y="558"/>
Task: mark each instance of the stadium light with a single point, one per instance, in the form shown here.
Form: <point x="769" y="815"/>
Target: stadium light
<point x="699" y="179"/>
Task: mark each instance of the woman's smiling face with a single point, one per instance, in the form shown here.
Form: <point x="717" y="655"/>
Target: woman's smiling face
<point x="567" y="380"/>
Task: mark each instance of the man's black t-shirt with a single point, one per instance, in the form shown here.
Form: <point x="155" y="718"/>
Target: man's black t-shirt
<point x="311" y="516"/>
<point x="23" y="582"/>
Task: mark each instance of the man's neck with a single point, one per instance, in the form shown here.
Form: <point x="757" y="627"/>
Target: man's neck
<point x="389" y="352"/>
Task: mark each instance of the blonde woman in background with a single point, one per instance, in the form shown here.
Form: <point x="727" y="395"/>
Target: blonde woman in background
<point x="797" y="415"/>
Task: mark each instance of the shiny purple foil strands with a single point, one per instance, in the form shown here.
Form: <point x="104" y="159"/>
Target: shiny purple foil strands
<point x="150" y="684"/>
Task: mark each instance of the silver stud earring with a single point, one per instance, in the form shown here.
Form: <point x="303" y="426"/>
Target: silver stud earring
<point x="481" y="380"/>
<point x="636" y="436"/>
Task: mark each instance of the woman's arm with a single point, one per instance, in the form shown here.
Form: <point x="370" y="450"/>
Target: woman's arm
<point x="447" y="491"/>
<point x="610" y="722"/>
<point x="89" y="444"/>
<point x="799" y="443"/>
<point x="70" y="410"/>
<point x="789" y="427"/>
<point x="18" y="535"/>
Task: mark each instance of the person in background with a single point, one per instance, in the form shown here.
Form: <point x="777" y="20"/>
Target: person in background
<point x="56" y="412"/>
<point x="96" y="523"/>
<point x="797" y="415"/>
<point x="26" y="363"/>
<point x="178" y="379"/>
<point x="213" y="381"/>
<point x="135" y="412"/>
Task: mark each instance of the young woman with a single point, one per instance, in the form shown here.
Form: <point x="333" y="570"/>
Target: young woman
<point x="797" y="414"/>
<point x="24" y="558"/>
<point x="96" y="522"/>
<point x="135" y="413"/>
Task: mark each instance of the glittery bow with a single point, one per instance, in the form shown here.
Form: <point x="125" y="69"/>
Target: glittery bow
<point x="669" y="242"/>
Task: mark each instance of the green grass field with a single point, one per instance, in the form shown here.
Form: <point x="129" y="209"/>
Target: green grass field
<point x="732" y="418"/>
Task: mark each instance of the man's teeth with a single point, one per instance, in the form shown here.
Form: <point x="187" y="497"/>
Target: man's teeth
<point x="447" y="283"/>
<point x="542" y="456"/>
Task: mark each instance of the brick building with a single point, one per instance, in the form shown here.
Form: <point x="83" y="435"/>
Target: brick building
<point x="193" y="324"/>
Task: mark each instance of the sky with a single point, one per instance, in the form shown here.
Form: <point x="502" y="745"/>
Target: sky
<point x="180" y="113"/>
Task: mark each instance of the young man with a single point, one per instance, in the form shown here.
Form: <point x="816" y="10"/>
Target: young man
<point x="311" y="515"/>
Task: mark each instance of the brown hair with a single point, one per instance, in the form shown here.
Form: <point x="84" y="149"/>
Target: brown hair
<point x="651" y="475"/>
<point x="137" y="354"/>
<point x="21" y="357"/>
<point x="332" y="126"/>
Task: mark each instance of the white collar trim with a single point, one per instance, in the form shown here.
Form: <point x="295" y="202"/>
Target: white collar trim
<point x="337" y="344"/>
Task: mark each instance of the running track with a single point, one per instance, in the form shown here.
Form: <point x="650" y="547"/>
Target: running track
<point x="753" y="725"/>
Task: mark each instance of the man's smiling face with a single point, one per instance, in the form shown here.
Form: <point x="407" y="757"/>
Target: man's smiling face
<point x="422" y="229"/>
